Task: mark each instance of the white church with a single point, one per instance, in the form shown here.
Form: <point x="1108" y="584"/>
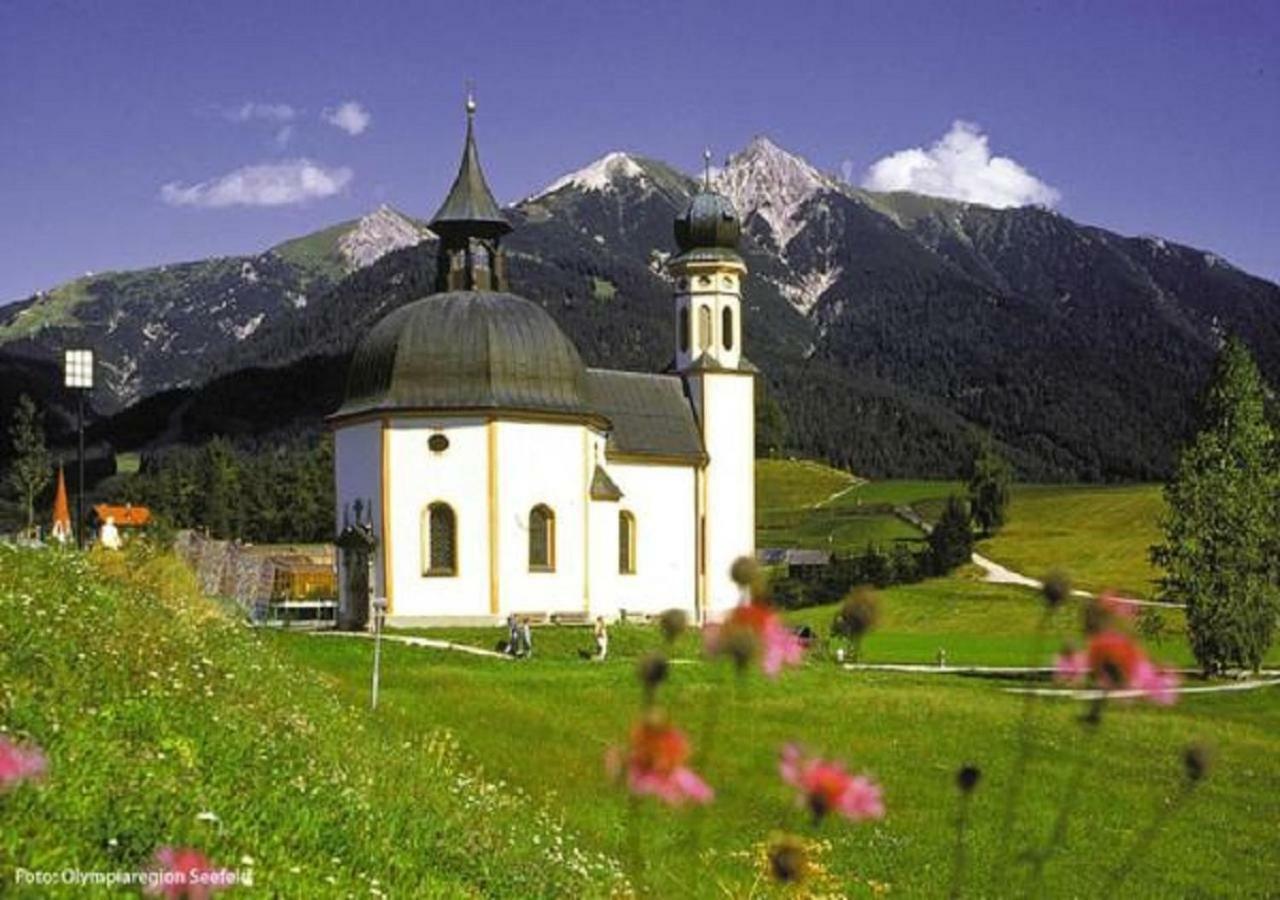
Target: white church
<point x="497" y="474"/>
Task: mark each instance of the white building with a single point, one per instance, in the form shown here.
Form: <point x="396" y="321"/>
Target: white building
<point x="499" y="474"/>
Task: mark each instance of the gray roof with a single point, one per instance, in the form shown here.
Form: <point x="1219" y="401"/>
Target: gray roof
<point x="470" y="205"/>
<point x="467" y="350"/>
<point x="650" y="414"/>
<point x="603" y="487"/>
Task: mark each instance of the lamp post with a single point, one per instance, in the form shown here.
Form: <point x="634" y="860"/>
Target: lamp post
<point x="379" y="613"/>
<point x="78" y="371"/>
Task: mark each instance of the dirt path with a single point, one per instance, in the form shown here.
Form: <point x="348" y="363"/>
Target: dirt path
<point x="994" y="573"/>
<point x="415" y="641"/>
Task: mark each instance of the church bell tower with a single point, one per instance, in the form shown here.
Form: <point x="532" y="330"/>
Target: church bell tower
<point x="470" y="226"/>
<point x="720" y="382"/>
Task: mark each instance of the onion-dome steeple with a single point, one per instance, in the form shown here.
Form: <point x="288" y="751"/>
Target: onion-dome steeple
<point x="470" y="225"/>
<point x="709" y="227"/>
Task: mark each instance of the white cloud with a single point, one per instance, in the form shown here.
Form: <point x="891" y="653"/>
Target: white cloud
<point x="960" y="166"/>
<point x="351" y="117"/>
<point x="268" y="184"/>
<point x="269" y="112"/>
<point x="283" y="135"/>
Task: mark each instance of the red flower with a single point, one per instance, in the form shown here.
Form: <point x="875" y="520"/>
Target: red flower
<point x="826" y="786"/>
<point x="755" y="628"/>
<point x="18" y="764"/>
<point x="655" y="764"/>
<point x="187" y="873"/>
<point x="1116" y="662"/>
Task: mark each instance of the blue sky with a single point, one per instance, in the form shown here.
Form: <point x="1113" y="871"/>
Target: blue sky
<point x="1158" y="118"/>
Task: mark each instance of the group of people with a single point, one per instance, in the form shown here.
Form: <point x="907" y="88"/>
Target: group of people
<point x="520" y="638"/>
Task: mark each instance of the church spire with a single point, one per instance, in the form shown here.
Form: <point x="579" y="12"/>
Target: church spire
<point x="470" y="224"/>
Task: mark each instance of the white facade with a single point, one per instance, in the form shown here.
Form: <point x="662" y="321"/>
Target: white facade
<point x="492" y="474"/>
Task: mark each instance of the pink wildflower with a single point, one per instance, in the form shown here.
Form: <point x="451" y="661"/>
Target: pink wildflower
<point x="756" y="628"/>
<point x="1116" y="662"/>
<point x="181" y="872"/>
<point x="654" y="764"/>
<point x="18" y="764"/>
<point x="1071" y="666"/>
<point x="826" y="786"/>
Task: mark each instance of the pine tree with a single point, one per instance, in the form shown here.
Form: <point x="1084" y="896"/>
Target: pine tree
<point x="989" y="479"/>
<point x="951" y="541"/>
<point x="1222" y="528"/>
<point x="32" y="467"/>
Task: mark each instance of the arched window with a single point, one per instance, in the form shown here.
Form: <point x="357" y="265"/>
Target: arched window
<point x="684" y="329"/>
<point x="704" y="327"/>
<point x="726" y="326"/>
<point x="626" y="543"/>
<point x="542" y="539"/>
<point x="439" y="540"/>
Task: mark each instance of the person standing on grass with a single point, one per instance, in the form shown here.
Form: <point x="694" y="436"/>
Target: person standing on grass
<point x="513" y="635"/>
<point x="602" y="639"/>
<point x="526" y="639"/>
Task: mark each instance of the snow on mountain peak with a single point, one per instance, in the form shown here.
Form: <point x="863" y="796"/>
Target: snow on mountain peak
<point x="380" y="232"/>
<point x="768" y="180"/>
<point x="601" y="175"/>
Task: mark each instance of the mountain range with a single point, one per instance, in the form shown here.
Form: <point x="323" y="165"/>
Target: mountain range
<point x="892" y="330"/>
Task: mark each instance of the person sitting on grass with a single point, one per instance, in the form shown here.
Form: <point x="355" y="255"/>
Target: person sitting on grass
<point x="526" y="639"/>
<point x="513" y="635"/>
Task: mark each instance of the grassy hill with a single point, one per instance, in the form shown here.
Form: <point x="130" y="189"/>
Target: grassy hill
<point x="167" y="722"/>
<point x="1101" y="535"/>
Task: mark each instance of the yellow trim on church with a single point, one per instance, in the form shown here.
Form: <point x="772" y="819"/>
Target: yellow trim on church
<point x="387" y="578"/>
<point x="491" y="432"/>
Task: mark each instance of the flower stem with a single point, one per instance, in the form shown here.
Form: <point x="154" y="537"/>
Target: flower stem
<point x="1009" y="814"/>
<point x="1091" y="722"/>
<point x="960" y="862"/>
<point x="705" y="746"/>
<point x="1148" y="836"/>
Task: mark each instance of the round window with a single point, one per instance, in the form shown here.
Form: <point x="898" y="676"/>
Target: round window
<point x="437" y="443"/>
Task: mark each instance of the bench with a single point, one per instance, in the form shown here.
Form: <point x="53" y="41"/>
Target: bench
<point x="576" y="617"/>
<point x="633" y="617"/>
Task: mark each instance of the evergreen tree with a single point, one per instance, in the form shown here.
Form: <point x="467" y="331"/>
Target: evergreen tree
<point x="32" y="467"/>
<point x="951" y="541"/>
<point x="1222" y="529"/>
<point x="989" y="479"/>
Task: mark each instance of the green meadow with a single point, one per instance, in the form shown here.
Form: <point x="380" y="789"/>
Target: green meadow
<point x="479" y="776"/>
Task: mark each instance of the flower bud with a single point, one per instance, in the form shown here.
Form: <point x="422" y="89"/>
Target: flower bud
<point x="652" y="670"/>
<point x="858" y="613"/>
<point x="673" y="623"/>
<point x="1196" y="761"/>
<point x="967" y="778"/>
<point x="788" y="859"/>
<point x="1057" y="588"/>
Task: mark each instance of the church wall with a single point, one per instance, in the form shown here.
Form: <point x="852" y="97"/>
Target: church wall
<point x="543" y="463"/>
<point x="418" y="477"/>
<point x="726" y="410"/>
<point x="357" y="462"/>
<point x="661" y="497"/>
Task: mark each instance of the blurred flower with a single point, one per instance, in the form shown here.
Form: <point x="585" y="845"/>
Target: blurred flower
<point x="1105" y="612"/>
<point x="18" y="764"/>
<point x="1057" y="588"/>
<point x="655" y="764"/>
<point x="826" y="786"/>
<point x="1071" y="665"/>
<point x="788" y="859"/>
<point x="755" y="629"/>
<point x="184" y="872"/>
<point x="967" y="778"/>
<point x="1115" y="661"/>
<point x="652" y="670"/>
<point x="858" y="613"/>
<point x="673" y="623"/>
<point x="745" y="572"/>
<point x="1196" y="761"/>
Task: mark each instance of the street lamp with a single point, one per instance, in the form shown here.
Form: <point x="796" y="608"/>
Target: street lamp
<point x="78" y="370"/>
<point x="379" y="616"/>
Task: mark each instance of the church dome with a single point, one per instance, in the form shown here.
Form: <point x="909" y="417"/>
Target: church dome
<point x="466" y="350"/>
<point x="709" y="223"/>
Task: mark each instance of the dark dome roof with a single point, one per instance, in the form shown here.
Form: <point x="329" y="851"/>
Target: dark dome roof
<point x="710" y="221"/>
<point x="466" y="350"/>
